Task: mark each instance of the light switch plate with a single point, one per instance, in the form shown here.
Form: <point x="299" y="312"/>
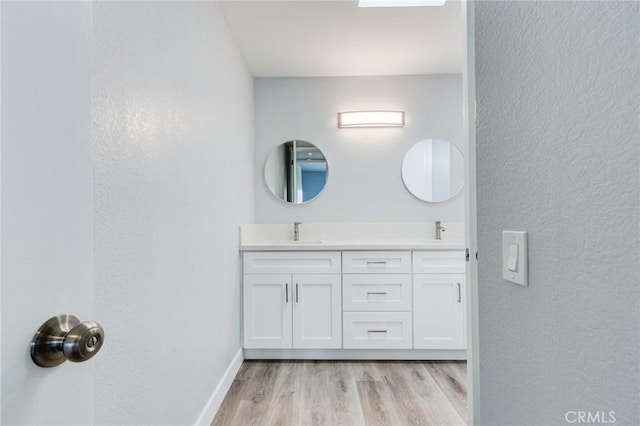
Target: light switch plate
<point x="521" y="273"/>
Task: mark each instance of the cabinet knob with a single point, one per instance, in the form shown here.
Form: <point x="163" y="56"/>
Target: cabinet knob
<point x="64" y="337"/>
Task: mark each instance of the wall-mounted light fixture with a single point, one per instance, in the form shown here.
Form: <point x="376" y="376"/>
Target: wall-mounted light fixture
<point x="400" y="3"/>
<point x="371" y="119"/>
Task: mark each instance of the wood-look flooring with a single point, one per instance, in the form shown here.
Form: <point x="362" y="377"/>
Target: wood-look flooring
<point x="346" y="393"/>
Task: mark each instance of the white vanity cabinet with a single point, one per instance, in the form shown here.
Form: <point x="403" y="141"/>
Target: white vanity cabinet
<point x="343" y="303"/>
<point x="292" y="300"/>
<point x="376" y="294"/>
<point x="439" y="300"/>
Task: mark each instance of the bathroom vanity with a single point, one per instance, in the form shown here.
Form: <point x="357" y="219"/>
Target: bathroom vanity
<point x="361" y="297"/>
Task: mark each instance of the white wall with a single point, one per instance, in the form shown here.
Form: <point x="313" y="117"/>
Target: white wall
<point x="173" y="149"/>
<point x="558" y="90"/>
<point x="47" y="230"/>
<point x="364" y="165"/>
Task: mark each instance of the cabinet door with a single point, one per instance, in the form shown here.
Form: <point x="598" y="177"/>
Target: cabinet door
<point x="438" y="311"/>
<point x="317" y="311"/>
<point x="267" y="311"/>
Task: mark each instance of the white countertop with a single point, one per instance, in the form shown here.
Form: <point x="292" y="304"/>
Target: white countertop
<point x="352" y="245"/>
<point x="350" y="236"/>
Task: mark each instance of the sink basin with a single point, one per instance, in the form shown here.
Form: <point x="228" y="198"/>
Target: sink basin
<point x="291" y="242"/>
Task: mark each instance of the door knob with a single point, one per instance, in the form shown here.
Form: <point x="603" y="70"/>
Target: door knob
<point x="64" y="337"/>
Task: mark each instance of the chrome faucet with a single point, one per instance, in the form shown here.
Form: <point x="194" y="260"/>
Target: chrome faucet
<point x="439" y="230"/>
<point x="296" y="231"/>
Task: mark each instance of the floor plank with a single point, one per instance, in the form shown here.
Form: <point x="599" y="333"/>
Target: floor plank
<point x="435" y="405"/>
<point x="346" y="393"/>
<point x="449" y="380"/>
<point x="405" y="401"/>
<point x="283" y="408"/>
<point x="346" y="402"/>
<point x="256" y="395"/>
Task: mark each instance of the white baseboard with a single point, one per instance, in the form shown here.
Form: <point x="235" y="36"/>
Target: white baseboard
<point x="358" y="354"/>
<point x="210" y="410"/>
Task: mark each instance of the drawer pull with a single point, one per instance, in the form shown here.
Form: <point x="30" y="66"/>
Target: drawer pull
<point x="376" y="331"/>
<point x="459" y="293"/>
<point x="377" y="262"/>
<point x="376" y="292"/>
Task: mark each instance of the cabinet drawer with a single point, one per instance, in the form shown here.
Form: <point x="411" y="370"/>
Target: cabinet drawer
<point x="376" y="262"/>
<point x="377" y="330"/>
<point x="376" y="292"/>
<point x="316" y="262"/>
<point x="439" y="262"/>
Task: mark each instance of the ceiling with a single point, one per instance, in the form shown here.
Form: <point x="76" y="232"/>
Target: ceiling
<point x="307" y="38"/>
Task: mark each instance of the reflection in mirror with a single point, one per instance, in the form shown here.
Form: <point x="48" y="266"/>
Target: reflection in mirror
<point x="433" y="170"/>
<point x="296" y="171"/>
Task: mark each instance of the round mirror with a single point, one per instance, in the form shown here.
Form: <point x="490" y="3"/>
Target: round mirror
<point x="433" y="170"/>
<point x="296" y="171"/>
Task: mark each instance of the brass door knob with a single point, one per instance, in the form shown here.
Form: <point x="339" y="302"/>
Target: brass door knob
<point x="64" y="337"/>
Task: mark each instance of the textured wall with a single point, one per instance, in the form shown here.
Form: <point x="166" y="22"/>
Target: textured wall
<point x="364" y="183"/>
<point x="558" y="90"/>
<point x="172" y="122"/>
<point x="47" y="229"/>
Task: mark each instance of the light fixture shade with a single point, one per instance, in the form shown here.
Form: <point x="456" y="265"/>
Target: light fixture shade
<point x="400" y="3"/>
<point x="371" y="119"/>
